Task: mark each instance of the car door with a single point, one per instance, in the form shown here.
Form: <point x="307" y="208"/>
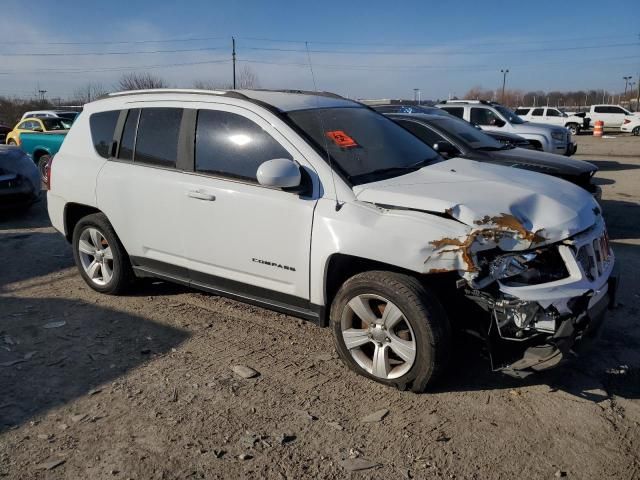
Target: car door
<point x="554" y="117"/>
<point x="616" y="116"/>
<point x="487" y="119"/>
<point x="140" y="189"/>
<point x="239" y="236"/>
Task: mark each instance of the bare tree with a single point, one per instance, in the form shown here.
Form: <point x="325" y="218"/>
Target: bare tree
<point x="211" y="85"/>
<point x="88" y="93"/>
<point x="247" y="78"/>
<point x="140" y="81"/>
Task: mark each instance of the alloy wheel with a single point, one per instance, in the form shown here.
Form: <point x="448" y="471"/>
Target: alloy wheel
<point x="96" y="256"/>
<point x="378" y="336"/>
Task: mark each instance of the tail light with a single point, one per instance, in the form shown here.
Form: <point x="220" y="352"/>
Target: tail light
<point x="46" y="177"/>
<point x="626" y="120"/>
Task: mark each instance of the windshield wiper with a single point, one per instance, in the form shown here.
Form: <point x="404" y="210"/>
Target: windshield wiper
<point x="391" y="170"/>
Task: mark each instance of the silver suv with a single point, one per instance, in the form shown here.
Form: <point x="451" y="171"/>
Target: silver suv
<point x="494" y="117"/>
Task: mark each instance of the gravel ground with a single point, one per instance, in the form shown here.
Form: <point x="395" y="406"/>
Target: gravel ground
<point x="142" y="387"/>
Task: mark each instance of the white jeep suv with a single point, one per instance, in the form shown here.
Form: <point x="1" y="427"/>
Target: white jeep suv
<point x="494" y="117"/>
<point x="322" y="208"/>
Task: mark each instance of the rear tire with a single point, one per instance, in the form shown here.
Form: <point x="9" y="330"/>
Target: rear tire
<point x="102" y="260"/>
<point x="636" y="131"/>
<point x="408" y="347"/>
<point x="574" y="128"/>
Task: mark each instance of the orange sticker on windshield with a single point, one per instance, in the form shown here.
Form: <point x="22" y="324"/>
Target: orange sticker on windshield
<point x="341" y="139"/>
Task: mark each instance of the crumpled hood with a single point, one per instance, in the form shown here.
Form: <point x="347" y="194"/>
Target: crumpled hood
<point x="539" y="209"/>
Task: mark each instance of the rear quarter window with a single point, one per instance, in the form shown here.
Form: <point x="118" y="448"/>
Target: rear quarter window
<point x="102" y="126"/>
<point x="455" y="111"/>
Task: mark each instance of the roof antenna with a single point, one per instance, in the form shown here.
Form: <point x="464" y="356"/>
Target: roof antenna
<point x="326" y="143"/>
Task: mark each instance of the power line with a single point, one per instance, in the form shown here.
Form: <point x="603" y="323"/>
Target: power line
<point x="477" y="67"/>
<point x="114" y="69"/>
<point x="460" y="52"/>
<point x="119" y="42"/>
<point x="422" y="44"/>
<point x="79" y="54"/>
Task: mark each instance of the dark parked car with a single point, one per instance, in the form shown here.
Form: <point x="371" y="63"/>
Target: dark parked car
<point x="454" y="137"/>
<point x="409" y="109"/>
<point x="4" y="129"/>
<point x="19" y="179"/>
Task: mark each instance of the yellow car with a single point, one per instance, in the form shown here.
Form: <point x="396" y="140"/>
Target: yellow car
<point x="36" y="125"/>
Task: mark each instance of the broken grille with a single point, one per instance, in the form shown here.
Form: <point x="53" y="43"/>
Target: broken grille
<point x="594" y="256"/>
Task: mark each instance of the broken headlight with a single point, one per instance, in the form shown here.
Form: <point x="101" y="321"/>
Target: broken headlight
<point x="529" y="268"/>
<point x="507" y="266"/>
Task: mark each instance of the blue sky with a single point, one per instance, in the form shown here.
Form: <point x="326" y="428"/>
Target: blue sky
<point x="362" y="49"/>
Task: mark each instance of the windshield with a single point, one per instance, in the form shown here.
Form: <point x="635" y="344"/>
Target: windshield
<point x="508" y="114"/>
<point x="467" y="133"/>
<point x="71" y="116"/>
<point x="364" y="145"/>
<point x="56" y="123"/>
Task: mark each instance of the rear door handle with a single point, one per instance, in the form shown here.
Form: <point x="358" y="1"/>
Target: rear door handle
<point x="201" y="195"/>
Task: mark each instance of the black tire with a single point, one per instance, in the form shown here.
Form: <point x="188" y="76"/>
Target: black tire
<point x="420" y="308"/>
<point x="122" y="274"/>
<point x="636" y="131"/>
<point x="574" y="128"/>
<point x="42" y="166"/>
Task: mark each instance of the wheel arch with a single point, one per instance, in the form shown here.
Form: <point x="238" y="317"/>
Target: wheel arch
<point x="73" y="213"/>
<point x="340" y="267"/>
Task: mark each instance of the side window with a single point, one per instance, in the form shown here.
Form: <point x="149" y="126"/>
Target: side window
<point x="552" y="112"/>
<point x="456" y="111"/>
<point x="537" y="112"/>
<point x="127" y="143"/>
<point x="617" y="110"/>
<point x="24" y="126"/>
<point x="102" y="126"/>
<point x="424" y="133"/>
<point x="157" y="137"/>
<point x="483" y="116"/>
<point x="522" y="111"/>
<point x="232" y="145"/>
<point x="600" y="109"/>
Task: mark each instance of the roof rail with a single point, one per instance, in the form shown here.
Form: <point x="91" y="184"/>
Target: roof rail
<point x="171" y="90"/>
<point x="485" y="102"/>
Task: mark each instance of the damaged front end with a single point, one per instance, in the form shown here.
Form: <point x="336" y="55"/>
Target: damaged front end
<point x="540" y="294"/>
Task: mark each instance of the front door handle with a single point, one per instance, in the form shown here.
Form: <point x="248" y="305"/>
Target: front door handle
<point x="201" y="195"/>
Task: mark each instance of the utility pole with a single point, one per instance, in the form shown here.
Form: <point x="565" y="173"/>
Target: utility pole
<point x="416" y="95"/>
<point x="233" y="57"/>
<point x="504" y="80"/>
<point x="626" y="83"/>
<point x="42" y="92"/>
<point x="638" y="97"/>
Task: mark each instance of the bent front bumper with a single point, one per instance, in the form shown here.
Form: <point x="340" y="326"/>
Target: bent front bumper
<point x="571" y="308"/>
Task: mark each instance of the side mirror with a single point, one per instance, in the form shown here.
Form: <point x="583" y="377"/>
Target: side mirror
<point x="280" y="173"/>
<point x="445" y="148"/>
<point x="500" y="123"/>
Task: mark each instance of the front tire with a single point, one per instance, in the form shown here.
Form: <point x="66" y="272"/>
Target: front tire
<point x="574" y="128"/>
<point x="391" y="329"/>
<point x="636" y="131"/>
<point x="102" y="260"/>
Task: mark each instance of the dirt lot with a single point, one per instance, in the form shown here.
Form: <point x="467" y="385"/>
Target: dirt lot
<point x="140" y="386"/>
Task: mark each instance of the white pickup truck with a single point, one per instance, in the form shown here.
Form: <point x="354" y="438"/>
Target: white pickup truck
<point x="553" y="116"/>
<point x="611" y="115"/>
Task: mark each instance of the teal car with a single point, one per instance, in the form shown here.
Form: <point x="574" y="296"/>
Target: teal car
<point x="41" y="146"/>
